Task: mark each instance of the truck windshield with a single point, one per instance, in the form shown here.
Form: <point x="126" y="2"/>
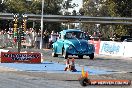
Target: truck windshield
<point x="71" y="35"/>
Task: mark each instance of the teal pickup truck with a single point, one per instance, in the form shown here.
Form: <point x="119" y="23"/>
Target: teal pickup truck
<point x="72" y="42"/>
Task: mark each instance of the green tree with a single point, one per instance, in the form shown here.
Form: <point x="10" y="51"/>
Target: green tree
<point x="108" y="8"/>
<point x="2" y="6"/>
<point x="15" y="6"/>
<point x="34" y="7"/>
<point x="53" y="7"/>
<point x="74" y="12"/>
<point x="121" y="8"/>
<point x="68" y="4"/>
<point x="94" y="8"/>
<point x="81" y="11"/>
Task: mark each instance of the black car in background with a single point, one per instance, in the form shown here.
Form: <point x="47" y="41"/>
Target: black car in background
<point x="126" y="38"/>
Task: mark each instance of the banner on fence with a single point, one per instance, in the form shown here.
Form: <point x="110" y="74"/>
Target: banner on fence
<point x="111" y="48"/>
<point x="96" y="45"/>
<point x="127" y="49"/>
<point x="10" y="57"/>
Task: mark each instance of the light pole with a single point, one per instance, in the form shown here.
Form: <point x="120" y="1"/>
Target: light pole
<point x="41" y="40"/>
<point x="79" y="23"/>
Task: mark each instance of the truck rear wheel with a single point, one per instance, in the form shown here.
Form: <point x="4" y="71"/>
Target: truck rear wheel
<point x="91" y="56"/>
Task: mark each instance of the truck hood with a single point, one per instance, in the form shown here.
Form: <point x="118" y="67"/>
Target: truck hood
<point x="79" y="44"/>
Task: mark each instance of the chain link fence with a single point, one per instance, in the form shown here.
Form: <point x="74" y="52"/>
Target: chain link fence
<point x="7" y="41"/>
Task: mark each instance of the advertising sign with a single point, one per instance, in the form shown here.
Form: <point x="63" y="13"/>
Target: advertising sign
<point x="10" y="57"/>
<point x="111" y="48"/>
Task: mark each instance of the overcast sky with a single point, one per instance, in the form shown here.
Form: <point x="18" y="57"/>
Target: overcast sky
<point x="79" y="2"/>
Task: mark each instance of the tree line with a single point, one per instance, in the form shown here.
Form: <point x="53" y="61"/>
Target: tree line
<point x="105" y="8"/>
<point x="51" y="7"/>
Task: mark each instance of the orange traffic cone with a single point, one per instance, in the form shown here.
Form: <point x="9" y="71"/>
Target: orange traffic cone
<point x="67" y="65"/>
<point x="73" y="65"/>
<point x="86" y="74"/>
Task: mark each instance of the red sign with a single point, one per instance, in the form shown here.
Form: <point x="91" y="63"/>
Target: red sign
<point x="96" y="45"/>
<point x="10" y="57"/>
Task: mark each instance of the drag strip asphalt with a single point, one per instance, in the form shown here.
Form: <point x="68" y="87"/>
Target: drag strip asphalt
<point x="52" y="67"/>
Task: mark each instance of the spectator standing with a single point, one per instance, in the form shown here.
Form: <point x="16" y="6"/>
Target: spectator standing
<point x="46" y="39"/>
<point x="32" y="33"/>
<point x="53" y="38"/>
<point x="94" y="36"/>
<point x="37" y="40"/>
<point x="44" y="44"/>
